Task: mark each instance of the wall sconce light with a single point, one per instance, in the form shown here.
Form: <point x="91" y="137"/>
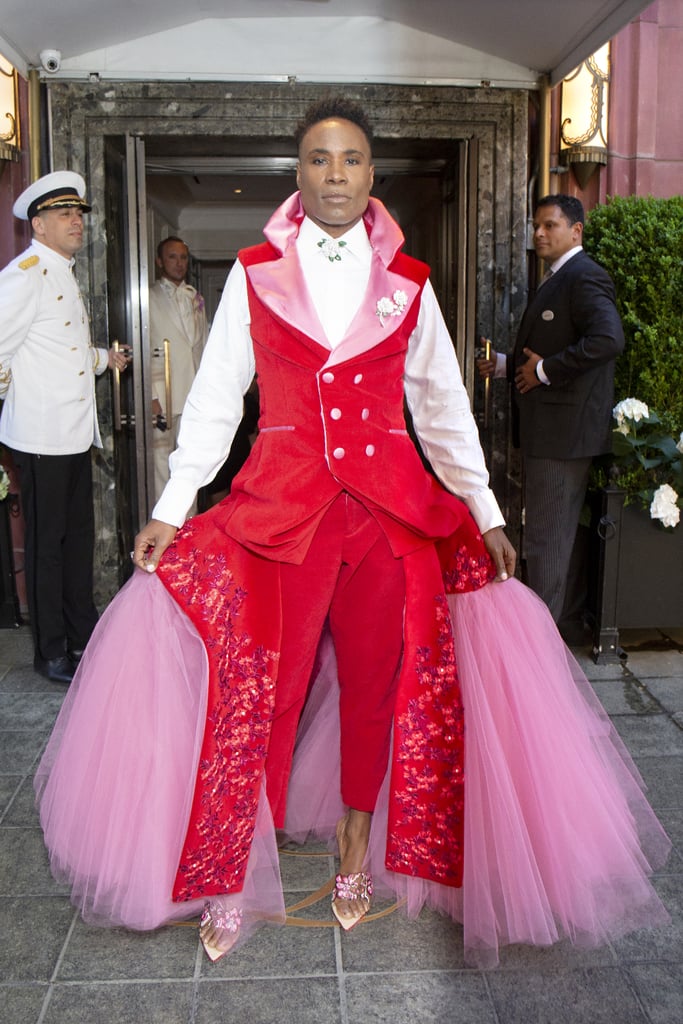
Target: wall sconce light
<point x="583" y="132"/>
<point x="9" y="115"/>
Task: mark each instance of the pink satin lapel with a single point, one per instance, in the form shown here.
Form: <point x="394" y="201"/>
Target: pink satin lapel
<point x="366" y="329"/>
<point x="280" y="286"/>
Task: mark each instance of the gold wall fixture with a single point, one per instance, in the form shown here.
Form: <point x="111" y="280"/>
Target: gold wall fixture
<point x="583" y="132"/>
<point x="9" y="112"/>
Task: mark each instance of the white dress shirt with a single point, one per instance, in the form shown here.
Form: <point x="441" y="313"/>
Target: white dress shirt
<point x="435" y="393"/>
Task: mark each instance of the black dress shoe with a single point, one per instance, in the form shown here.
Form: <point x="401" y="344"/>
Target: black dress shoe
<point x="57" y="670"/>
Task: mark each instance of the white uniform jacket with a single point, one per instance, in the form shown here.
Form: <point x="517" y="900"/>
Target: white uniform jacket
<point x="47" y="362"/>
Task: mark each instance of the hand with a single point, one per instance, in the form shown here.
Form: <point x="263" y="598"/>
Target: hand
<point x="119" y="358"/>
<point x="501" y="551"/>
<point x="156" y="408"/>
<point x="486" y="367"/>
<point x="525" y="378"/>
<point x="150" y="544"/>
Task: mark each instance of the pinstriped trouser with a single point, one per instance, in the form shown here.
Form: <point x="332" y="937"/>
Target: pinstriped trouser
<point x="554" y="493"/>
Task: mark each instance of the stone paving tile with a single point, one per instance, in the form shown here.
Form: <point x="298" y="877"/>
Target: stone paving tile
<point x="656" y="664"/>
<point x="626" y="696"/>
<point x="270" y="1001"/>
<point x="280" y="950"/>
<point x="23" y="810"/>
<point x="21" y="1004"/>
<point x="24" y="866"/>
<point x="22" y="679"/>
<point x="302" y="874"/>
<point x="602" y="995"/>
<point x="662" y="777"/>
<point x="664" y="944"/>
<point x="398" y="943"/>
<point x="660" y="989"/>
<point x="119" y="1003"/>
<point x="654" y="735"/>
<point x="457" y="997"/>
<point x="603" y="670"/>
<point x="33" y="930"/>
<point x="16" y="646"/>
<point x="19" y="750"/>
<point x="116" y="954"/>
<point x="669" y="693"/>
<point x="20" y="711"/>
<point x="10" y="785"/>
<point x="672" y="822"/>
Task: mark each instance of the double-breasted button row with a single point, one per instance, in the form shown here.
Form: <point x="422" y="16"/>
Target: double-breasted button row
<point x="339" y="453"/>
<point x="328" y="377"/>
<point x="335" y="413"/>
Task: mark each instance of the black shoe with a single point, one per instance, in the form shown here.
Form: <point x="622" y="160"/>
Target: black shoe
<point x="57" y="670"/>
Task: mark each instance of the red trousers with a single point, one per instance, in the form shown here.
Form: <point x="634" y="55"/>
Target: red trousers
<point x="350" y="578"/>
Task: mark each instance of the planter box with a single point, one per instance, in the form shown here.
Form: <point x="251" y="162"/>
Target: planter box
<point x="636" y="578"/>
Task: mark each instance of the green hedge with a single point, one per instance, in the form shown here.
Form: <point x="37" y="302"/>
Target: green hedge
<point x="639" y="241"/>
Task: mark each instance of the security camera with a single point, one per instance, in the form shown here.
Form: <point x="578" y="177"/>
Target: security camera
<point x="51" y="60"/>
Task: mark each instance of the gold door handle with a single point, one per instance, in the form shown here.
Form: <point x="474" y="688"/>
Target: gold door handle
<point x="167" y="380"/>
<point x="487" y="386"/>
<point x="117" y="389"/>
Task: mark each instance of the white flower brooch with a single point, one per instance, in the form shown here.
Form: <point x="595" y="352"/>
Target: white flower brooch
<point x="391" y="307"/>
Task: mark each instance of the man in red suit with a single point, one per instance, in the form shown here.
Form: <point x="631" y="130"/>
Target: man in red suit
<point x="333" y="509"/>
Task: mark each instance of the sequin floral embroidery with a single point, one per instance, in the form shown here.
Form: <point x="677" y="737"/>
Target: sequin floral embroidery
<point x="429" y="739"/>
<point x="241" y="695"/>
<point x="467" y="571"/>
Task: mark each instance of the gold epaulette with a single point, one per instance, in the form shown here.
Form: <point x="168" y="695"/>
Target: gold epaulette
<point x="5" y="381"/>
<point x="30" y="261"/>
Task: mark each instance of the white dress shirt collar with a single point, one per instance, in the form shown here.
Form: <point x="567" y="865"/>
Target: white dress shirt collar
<point x="356" y="241"/>
<point x="565" y="258"/>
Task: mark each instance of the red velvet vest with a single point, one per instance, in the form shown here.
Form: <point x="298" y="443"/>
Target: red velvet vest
<point x="330" y="428"/>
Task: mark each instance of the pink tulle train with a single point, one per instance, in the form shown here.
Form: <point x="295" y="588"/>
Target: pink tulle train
<point x="560" y="840"/>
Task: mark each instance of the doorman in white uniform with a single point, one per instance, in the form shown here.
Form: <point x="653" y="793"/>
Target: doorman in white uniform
<point x="48" y="366"/>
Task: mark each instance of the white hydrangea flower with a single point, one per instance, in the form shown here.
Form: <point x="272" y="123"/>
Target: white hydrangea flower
<point x="385" y="307"/>
<point x="391" y="307"/>
<point x="665" y="506"/>
<point x="629" y="409"/>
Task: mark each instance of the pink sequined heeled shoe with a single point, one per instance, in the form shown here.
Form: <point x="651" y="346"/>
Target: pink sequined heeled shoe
<point x="219" y="930"/>
<point x="354" y="887"/>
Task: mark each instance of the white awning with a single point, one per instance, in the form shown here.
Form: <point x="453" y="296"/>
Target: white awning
<point x="451" y="42"/>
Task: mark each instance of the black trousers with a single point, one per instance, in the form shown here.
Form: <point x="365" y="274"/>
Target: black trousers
<point x="56" y="496"/>
<point x="554" y="493"/>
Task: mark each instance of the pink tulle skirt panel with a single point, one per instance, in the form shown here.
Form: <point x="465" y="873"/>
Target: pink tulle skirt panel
<point x="560" y="839"/>
<point x="115" y="784"/>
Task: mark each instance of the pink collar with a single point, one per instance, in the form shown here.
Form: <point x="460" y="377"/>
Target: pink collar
<point x="384" y="233"/>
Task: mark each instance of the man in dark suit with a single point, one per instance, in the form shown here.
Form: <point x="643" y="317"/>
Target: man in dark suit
<point x="562" y="373"/>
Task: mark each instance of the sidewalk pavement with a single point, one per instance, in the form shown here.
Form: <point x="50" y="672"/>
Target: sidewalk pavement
<point x="56" y="970"/>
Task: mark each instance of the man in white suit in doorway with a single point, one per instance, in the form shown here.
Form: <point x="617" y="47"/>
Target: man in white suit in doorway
<point x="176" y="316"/>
